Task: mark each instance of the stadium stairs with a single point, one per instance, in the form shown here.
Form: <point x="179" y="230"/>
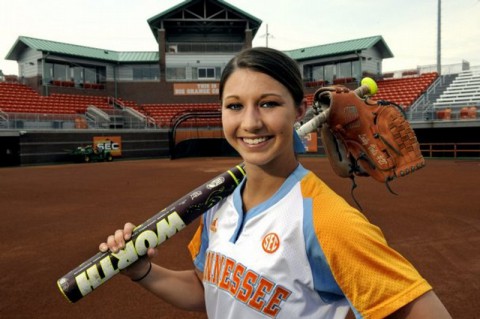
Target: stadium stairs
<point x="461" y="98"/>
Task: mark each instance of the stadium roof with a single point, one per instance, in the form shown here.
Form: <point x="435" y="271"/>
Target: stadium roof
<point x="193" y="15"/>
<point x="67" y="49"/>
<point x="341" y="48"/>
<point x="187" y="2"/>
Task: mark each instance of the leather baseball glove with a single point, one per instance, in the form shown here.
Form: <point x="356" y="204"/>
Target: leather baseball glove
<point x="364" y="137"/>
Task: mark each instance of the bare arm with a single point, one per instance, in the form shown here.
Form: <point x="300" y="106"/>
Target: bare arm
<point x="182" y="289"/>
<point x="427" y="306"/>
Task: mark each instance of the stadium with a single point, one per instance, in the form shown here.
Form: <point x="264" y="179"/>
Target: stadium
<point x="148" y="107"/>
<point x="164" y="103"/>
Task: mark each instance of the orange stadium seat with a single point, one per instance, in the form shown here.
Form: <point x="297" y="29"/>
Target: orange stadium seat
<point x="405" y="90"/>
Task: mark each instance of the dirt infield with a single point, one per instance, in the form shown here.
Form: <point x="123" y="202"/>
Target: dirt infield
<point x="53" y="218"/>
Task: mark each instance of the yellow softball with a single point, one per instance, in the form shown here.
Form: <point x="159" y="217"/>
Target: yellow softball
<point x="371" y="84"/>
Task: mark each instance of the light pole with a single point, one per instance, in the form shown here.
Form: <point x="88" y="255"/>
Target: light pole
<point x="439" y="37"/>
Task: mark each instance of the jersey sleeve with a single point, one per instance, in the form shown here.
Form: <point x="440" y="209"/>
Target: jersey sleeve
<point x="376" y="279"/>
<point x="198" y="245"/>
<point x="200" y="240"/>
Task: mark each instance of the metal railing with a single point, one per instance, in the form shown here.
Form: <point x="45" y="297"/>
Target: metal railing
<point x="455" y="150"/>
<point x="42" y="121"/>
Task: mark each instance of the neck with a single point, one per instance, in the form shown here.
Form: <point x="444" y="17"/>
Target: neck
<point x="263" y="182"/>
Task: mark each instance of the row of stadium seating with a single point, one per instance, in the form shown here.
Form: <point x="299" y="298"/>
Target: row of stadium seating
<point x="15" y="97"/>
<point x="404" y="91"/>
<point x="164" y="113"/>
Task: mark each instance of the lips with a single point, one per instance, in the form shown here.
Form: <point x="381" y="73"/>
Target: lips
<point x="254" y="141"/>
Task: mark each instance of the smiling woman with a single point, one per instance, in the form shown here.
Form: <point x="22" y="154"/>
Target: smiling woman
<point x="283" y="244"/>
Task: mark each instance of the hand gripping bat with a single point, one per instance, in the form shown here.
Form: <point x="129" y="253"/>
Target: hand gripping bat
<point x="95" y="271"/>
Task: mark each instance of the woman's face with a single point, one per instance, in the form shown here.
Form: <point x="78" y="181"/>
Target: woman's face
<point x="258" y="114"/>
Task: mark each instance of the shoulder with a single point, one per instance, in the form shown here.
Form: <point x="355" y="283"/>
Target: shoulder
<point x="322" y="196"/>
<point x="331" y="219"/>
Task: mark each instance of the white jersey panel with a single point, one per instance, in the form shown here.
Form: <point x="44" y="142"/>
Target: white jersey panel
<point x="258" y="267"/>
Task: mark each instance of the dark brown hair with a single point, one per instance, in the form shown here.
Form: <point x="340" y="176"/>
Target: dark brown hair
<point x="271" y="62"/>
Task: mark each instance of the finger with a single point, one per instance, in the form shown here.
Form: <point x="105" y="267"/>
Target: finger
<point x="152" y="252"/>
<point x="103" y="247"/>
<point x="112" y="244"/>
<point x="128" y="230"/>
<point x="119" y="238"/>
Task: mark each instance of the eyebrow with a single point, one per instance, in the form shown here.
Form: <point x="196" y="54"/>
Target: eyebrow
<point x="261" y="96"/>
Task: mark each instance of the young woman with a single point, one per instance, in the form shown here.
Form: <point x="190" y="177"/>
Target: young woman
<point x="283" y="245"/>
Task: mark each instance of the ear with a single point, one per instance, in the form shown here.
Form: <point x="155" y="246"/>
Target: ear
<point x="301" y="110"/>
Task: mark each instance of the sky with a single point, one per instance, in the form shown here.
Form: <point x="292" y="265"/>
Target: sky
<point x="409" y="27"/>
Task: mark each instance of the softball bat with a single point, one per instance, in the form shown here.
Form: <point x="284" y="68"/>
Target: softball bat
<point x="98" y="269"/>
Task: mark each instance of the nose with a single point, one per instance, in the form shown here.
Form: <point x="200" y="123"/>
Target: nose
<point x="252" y="119"/>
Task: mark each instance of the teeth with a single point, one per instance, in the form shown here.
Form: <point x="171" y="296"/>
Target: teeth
<point x="254" y="141"/>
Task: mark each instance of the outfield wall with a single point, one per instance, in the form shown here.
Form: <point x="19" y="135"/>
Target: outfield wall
<point x="54" y="146"/>
<point x="30" y="147"/>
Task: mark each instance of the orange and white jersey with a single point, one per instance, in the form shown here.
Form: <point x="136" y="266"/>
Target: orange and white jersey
<point x="303" y="253"/>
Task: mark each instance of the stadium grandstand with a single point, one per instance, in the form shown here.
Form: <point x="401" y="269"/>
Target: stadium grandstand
<point x="158" y="104"/>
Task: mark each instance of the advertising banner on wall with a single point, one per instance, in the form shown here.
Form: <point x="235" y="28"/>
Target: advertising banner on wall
<point x="111" y="143"/>
<point x="195" y="88"/>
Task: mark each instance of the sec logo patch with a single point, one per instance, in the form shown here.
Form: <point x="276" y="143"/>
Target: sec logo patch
<point x="270" y="243"/>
